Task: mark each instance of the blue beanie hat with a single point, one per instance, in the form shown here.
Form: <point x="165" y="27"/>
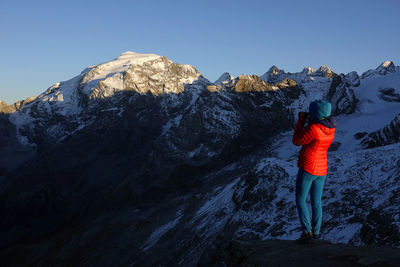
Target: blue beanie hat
<point x="320" y="109"/>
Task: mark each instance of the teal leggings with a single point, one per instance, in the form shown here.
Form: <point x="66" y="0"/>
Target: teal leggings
<point x="304" y="183"/>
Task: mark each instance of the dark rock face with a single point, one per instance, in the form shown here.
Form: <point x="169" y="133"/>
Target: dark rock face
<point x="334" y="146"/>
<point x="249" y="192"/>
<point x="351" y="79"/>
<point x="380" y="229"/>
<point x="255" y="193"/>
<point x="360" y="135"/>
<point x="12" y="153"/>
<point x="390" y="134"/>
<point x="389" y="95"/>
<point x="342" y="96"/>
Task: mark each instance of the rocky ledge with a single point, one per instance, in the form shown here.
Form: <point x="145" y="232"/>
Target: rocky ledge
<point x="289" y="253"/>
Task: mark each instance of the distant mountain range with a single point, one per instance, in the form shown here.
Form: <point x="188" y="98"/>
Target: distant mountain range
<point x="144" y="161"/>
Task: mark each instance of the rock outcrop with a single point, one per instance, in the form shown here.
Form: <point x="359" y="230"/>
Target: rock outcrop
<point x="390" y="134"/>
<point x="289" y="253"/>
<point x="389" y="95"/>
<point x="6" y="109"/>
<point x="341" y="93"/>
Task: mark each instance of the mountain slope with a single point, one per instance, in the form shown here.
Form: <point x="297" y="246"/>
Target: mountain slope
<point x="147" y="160"/>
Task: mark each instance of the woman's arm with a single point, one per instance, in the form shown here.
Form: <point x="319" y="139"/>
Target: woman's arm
<point x="303" y="136"/>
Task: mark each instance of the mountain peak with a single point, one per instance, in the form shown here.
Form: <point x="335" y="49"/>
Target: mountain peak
<point x="136" y="56"/>
<point x="226" y="77"/>
<point x="387" y="63"/>
<point x="308" y="70"/>
<point x="138" y="72"/>
<point x="118" y="65"/>
<point x="324" y="71"/>
<point x="273" y="75"/>
<point x="325" y="68"/>
<point x="275" y="70"/>
<point x="387" y="66"/>
<point x="383" y="69"/>
<point x="129" y="53"/>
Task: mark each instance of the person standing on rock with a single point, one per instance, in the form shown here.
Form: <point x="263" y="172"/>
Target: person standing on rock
<point x="315" y="139"/>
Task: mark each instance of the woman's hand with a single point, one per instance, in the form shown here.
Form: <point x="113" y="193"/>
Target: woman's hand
<point x="303" y="115"/>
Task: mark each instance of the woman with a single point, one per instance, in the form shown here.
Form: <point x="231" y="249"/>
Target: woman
<point x="315" y="140"/>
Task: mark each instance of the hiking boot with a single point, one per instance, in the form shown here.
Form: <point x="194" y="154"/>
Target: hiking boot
<point x="317" y="236"/>
<point x="318" y="240"/>
<point x="306" y="239"/>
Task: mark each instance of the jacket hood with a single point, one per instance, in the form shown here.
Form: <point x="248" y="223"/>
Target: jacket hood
<point x="329" y="124"/>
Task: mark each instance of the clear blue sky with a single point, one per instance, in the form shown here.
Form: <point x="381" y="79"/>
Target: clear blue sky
<point x="43" y="42"/>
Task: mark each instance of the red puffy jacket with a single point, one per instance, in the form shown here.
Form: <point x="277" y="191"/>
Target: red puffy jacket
<point x="315" y="139"/>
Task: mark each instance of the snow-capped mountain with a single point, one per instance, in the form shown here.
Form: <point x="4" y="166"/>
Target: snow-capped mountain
<point x="61" y="109"/>
<point x="386" y="67"/>
<point x="143" y="161"/>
